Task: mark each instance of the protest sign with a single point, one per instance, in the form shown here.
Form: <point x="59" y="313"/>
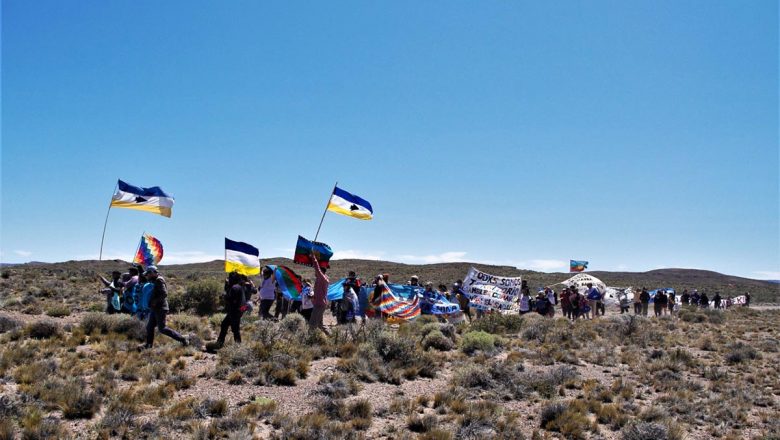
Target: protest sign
<point x="491" y="292"/>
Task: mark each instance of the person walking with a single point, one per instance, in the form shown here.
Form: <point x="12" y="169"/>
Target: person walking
<point x="550" y="299"/>
<point x="235" y="301"/>
<point x="565" y="303"/>
<point x="594" y="297"/>
<point x="267" y="293"/>
<point x="320" y="300"/>
<point x="644" y="298"/>
<point x="158" y="306"/>
<point x="716" y="300"/>
<point x="525" y="302"/>
<point x="658" y="302"/>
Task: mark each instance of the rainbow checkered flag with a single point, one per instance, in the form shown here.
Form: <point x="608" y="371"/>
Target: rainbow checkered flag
<point x="149" y="252"/>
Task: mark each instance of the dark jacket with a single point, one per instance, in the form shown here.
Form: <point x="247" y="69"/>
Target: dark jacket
<point x="644" y="297"/>
<point x="234" y="298"/>
<point x="159" y="297"/>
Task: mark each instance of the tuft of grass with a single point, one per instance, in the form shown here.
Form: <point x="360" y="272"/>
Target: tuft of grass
<point x="651" y="431"/>
<point x="337" y="386"/>
<point x="78" y="403"/>
<point x="7" y="323"/>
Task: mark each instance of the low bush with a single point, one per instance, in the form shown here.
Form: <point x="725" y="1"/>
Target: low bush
<point x="43" y="329"/>
<point x="498" y="323"/>
<point x="58" y="311"/>
<point x="740" y="352"/>
<point x="79" y="403"/>
<point x="481" y="341"/>
<point x="649" y="431"/>
<point x="337" y="386"/>
<point x="203" y="297"/>
<point x="437" y="341"/>
<point x="7" y="323"/>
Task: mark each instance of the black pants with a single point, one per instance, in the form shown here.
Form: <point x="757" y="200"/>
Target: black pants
<point x="306" y="313"/>
<point x="232" y="320"/>
<point x="295" y="307"/>
<point x="265" y="308"/>
<point x="637" y="308"/>
<point x="282" y="305"/>
<point x="157" y="319"/>
<point x="600" y="307"/>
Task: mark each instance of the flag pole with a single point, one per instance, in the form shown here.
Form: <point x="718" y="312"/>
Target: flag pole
<point x="325" y="212"/>
<point x="100" y="258"/>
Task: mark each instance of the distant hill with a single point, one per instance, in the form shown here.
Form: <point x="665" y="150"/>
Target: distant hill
<point x="447" y="273"/>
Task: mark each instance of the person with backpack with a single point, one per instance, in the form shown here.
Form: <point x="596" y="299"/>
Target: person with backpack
<point x="235" y="305"/>
<point x="594" y="297"/>
<point x="129" y="293"/>
<point x="144" y="289"/>
<point x="158" y="305"/>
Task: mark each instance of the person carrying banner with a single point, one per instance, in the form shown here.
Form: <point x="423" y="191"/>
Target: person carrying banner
<point x="158" y="305"/>
<point x="235" y="300"/>
<point x="414" y="281"/>
<point x="747" y="299"/>
<point x="142" y="311"/>
<point x="267" y="293"/>
<point x="320" y="300"/>
<point x="525" y="302"/>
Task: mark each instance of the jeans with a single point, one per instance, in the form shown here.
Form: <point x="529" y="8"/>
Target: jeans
<point x="232" y="320"/>
<point x="644" y="309"/>
<point x="157" y="319"/>
<point x="637" y="308"/>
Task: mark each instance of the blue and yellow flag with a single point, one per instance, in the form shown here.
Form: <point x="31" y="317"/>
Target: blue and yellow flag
<point x="241" y="257"/>
<point x="344" y="203"/>
<point x="152" y="199"/>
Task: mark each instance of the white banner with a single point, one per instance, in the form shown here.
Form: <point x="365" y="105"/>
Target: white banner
<point x="736" y="301"/>
<point x="486" y="291"/>
<point x="580" y="281"/>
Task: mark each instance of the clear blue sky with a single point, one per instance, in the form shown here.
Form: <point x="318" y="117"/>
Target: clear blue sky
<point x="636" y="135"/>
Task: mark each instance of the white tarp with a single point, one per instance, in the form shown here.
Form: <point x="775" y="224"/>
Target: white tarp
<point x="581" y="280"/>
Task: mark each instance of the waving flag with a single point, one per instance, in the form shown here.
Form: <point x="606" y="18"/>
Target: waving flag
<point x="149" y="252"/>
<point x="577" y="266"/>
<point x="391" y="305"/>
<point x="344" y="203"/>
<point x="288" y="281"/>
<point x="241" y="257"/>
<point x="305" y="247"/>
<point x="153" y="199"/>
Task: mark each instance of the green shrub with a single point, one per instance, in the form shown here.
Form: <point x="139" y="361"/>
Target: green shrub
<point x="203" y="297"/>
<point x="43" y="329"/>
<point x="498" y="323"/>
<point x="474" y="341"/>
<point x="438" y="341"/>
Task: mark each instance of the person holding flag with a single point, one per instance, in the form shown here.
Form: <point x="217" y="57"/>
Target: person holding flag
<point x="320" y="300"/>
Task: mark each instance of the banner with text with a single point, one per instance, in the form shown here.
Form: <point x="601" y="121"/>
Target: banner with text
<point x="491" y="292"/>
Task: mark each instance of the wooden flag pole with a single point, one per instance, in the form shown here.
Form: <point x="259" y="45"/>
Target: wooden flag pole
<point x="326" y="211"/>
<point x="100" y="258"/>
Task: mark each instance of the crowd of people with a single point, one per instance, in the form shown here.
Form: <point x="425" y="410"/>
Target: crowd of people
<point x="144" y="294"/>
